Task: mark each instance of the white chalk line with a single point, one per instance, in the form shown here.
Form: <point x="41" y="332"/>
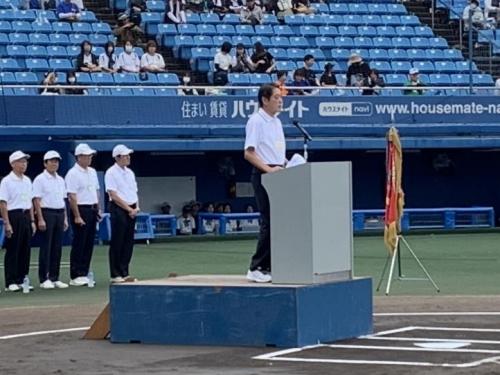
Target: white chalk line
<point x="415" y="349"/>
<point x="383" y="338"/>
<point x="40" y="333"/>
<point x="450" y="313"/>
<point x="391" y="331"/>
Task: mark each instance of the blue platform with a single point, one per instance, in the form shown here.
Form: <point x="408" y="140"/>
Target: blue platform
<point x="228" y="310"/>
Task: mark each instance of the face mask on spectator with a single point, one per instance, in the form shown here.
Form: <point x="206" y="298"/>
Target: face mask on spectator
<point x="186" y="79"/>
<point x="129" y="49"/>
<point x="110" y="50"/>
<point x="71" y="79"/>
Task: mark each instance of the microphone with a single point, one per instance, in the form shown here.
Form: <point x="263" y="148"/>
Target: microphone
<point x="302" y="130"/>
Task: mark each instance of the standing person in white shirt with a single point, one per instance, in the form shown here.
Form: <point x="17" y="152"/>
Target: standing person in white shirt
<point x="83" y="193"/>
<point x="128" y="61"/>
<point x="121" y="187"/>
<point x="16" y="195"/>
<point x="49" y="194"/>
<point x="151" y="61"/>
<point x="265" y="149"/>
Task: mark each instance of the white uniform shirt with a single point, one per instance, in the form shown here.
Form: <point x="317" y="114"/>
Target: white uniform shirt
<point x="50" y="189"/>
<point x="16" y="191"/>
<point x="156" y="60"/>
<point x="83" y="183"/>
<point x="224" y="60"/>
<point x="104" y="60"/>
<point x="87" y="59"/>
<point x="122" y="182"/>
<point x="129" y="61"/>
<point x="265" y="134"/>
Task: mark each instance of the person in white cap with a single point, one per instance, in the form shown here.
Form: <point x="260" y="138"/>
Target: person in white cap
<point x="19" y="221"/>
<point x="82" y="186"/>
<point x="413" y="83"/>
<point x="49" y="193"/>
<point x="121" y="187"/>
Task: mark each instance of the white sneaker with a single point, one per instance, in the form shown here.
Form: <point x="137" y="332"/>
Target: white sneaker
<point x="13" y="288"/>
<point x="79" y="281"/>
<point x="60" y="285"/>
<point x="258" y="276"/>
<point x="116" y="280"/>
<point x="47" y="284"/>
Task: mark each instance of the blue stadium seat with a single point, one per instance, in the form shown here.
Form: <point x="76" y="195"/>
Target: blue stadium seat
<point x="27" y="78"/>
<point x="24" y="15"/>
<point x="378" y="54"/>
<point x="419" y="42"/>
<point x="203" y="41"/>
<point x="316" y="19"/>
<point x="260" y="79"/>
<point x="340" y="53"/>
<point x="445" y="67"/>
<point x="54" y="51"/>
<point x="286" y="66"/>
<point x="61" y="65"/>
<point x="187" y="29"/>
<point x="219" y="39"/>
<point x="119" y="91"/>
<point x="5" y="27"/>
<point x="401" y="42"/>
<point x="83" y="78"/>
<point x="101" y="28"/>
<point x="424" y="66"/>
<point x="362" y="42"/>
<point x="342" y="42"/>
<point x="246" y="30"/>
<point x="339" y="8"/>
<point x="382" y="42"/>
<point x="102" y="78"/>
<point x="41" y="27"/>
<point x="372" y="20"/>
<point x="59" y="39"/>
<point x="294" y="20"/>
<point x="270" y="19"/>
<point x="407" y="31"/>
<point x="353" y="20"/>
<point x="77" y="39"/>
<point x="125" y="78"/>
<point x="377" y="8"/>
<point x="390" y="20"/>
<point x="459" y="79"/>
<point x="210" y="18"/>
<point x="395" y="8"/>
<point x="358" y="8"/>
<point x="141" y="91"/>
<point x="72" y="51"/>
<point x="463" y="66"/>
<point x="62" y="27"/>
<point x="8" y="78"/>
<point x="182" y="43"/>
<point x="396" y="79"/>
<point x="98" y="39"/>
<point x="165" y="92"/>
<point x="329" y="31"/>
<point x="434" y="54"/>
<point x="438" y="42"/>
<point x="280" y="41"/>
<point x="363" y="52"/>
<point x="18" y="38"/>
<point x="231" y="18"/>
<point x="46" y="15"/>
<point x="17" y="51"/>
<point x="37" y="65"/>
<point x="386" y="31"/>
<point x="397" y="54"/>
<point x="24" y="91"/>
<point x="316" y="52"/>
<point x="193" y="18"/>
<point x="225" y="29"/>
<point x="21" y="27"/>
<point x="295" y="54"/>
<point x="167" y="32"/>
<point x="150" y="80"/>
<point x="320" y="7"/>
<point x="245" y="40"/>
<point x="367" y="31"/>
<point x="401" y="66"/>
<point x="39" y="39"/>
<point x="237" y="79"/>
<point x="309" y="31"/>
<point x="440" y="79"/>
<point x="452" y="54"/>
<point x="283" y="30"/>
<point x="299" y="41"/>
<point x="155" y="6"/>
<point x="416" y="54"/>
<point x="483" y="80"/>
<point x="456" y="92"/>
<point x="347" y="31"/>
<point x="168" y="79"/>
<point x="263" y="39"/>
<point x="264" y="30"/>
<point x="278" y="53"/>
<point x="89" y="16"/>
<point x="409" y="20"/>
<point x="382" y="66"/>
<point x="423" y="31"/>
<point x="82" y="27"/>
<point x="324" y="42"/>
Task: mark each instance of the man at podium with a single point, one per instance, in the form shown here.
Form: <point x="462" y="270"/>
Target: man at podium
<point x="265" y="149"/>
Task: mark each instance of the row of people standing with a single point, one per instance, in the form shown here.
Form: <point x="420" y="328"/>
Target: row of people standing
<point x="41" y="206"/>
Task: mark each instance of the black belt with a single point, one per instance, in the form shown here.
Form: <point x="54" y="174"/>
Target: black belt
<point x="276" y="165"/>
<point x="56" y="210"/>
<point x="19" y="211"/>
<point x="87" y="205"/>
<point x="133" y="205"/>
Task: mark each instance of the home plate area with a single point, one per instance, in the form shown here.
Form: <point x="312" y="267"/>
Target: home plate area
<point x="458" y="347"/>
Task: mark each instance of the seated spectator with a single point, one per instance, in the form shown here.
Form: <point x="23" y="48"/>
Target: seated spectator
<point x="151" y="61"/>
<point x="299" y="80"/>
<point x="284" y="8"/>
<point x="136" y="7"/>
<point x="128" y="61"/>
<point x="186" y="81"/>
<point x="263" y="60"/>
<point x="302" y="7"/>
<point x="222" y="64"/>
<point x="71" y="80"/>
<point x="242" y="62"/>
<point x="86" y="61"/>
<point x="185" y="223"/>
<point x="166" y="208"/>
<point x="231" y="225"/>
<point x="413" y="83"/>
<point x="328" y="77"/>
<point x="196" y="6"/>
<point x="48" y="83"/>
<point x="357" y="71"/>
<point x="107" y="59"/>
<point x="68" y="11"/>
<point x="222" y="6"/>
<point x="219" y="208"/>
<point x="492" y="10"/>
<point x="127" y="30"/>
<point x="210" y="225"/>
<point x="309" y="72"/>
<point x="249" y="222"/>
<point x="174" y="12"/>
<point x="251" y="14"/>
<point x="375" y="81"/>
<point x="280" y="83"/>
<point x="478" y="19"/>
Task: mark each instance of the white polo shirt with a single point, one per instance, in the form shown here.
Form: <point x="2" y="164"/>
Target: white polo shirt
<point x="83" y="183"/>
<point x="156" y="60"/>
<point x="265" y="134"/>
<point x="51" y="190"/>
<point x="16" y="191"/>
<point x="129" y="61"/>
<point x="122" y="182"/>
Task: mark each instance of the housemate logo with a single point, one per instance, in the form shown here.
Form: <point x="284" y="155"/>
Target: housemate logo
<point x="330" y="109"/>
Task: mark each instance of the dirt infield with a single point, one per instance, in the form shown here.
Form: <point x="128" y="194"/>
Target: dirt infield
<point x="65" y="353"/>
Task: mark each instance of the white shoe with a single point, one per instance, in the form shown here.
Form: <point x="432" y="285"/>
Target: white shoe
<point x="79" y="281"/>
<point x="116" y="280"/>
<point x="13" y="288"/>
<point x="47" y="284"/>
<point x="60" y="285"/>
<point x="258" y="276"/>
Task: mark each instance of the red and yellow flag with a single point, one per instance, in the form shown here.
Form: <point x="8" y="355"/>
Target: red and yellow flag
<point x="394" y="196"/>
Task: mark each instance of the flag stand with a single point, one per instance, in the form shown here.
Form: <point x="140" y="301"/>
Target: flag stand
<point x="392" y="258"/>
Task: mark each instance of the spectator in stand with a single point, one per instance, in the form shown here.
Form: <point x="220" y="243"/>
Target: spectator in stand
<point x="281" y="82"/>
<point x="413" y="83"/>
<point x="128" y="61"/>
<point x="48" y="82"/>
<point x="357" y="71"/>
<point x="222" y="63"/>
<point x="219" y="208"/>
<point x="242" y="62"/>
<point x="375" y="82"/>
<point x="107" y="59"/>
<point x="136" y="7"/>
<point x="186" y="81"/>
<point x="492" y="10"/>
<point x="195" y="6"/>
<point x="263" y="60"/>
<point x="127" y="30"/>
<point x="166" y="208"/>
<point x="86" y="61"/>
<point x="231" y="225"/>
<point x="185" y="223"/>
<point x="328" y="77"/>
<point x="249" y="224"/>
<point x="151" y="61"/>
<point x="174" y="12"/>
<point x="478" y="19"/>
<point x="220" y="6"/>
<point x="210" y="225"/>
<point x="310" y="76"/>
<point x="299" y="80"/>
<point x="71" y="80"/>
<point x="251" y="14"/>
<point x="283" y="8"/>
<point x="68" y="11"/>
<point x="302" y="7"/>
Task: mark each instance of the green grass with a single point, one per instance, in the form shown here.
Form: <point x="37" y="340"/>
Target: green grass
<point x="461" y="264"/>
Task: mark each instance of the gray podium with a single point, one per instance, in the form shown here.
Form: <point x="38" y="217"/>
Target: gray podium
<point x="311" y="223"/>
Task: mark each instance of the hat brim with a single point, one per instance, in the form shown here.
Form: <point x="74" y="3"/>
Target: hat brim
<point x="87" y="153"/>
<point x="25" y="156"/>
